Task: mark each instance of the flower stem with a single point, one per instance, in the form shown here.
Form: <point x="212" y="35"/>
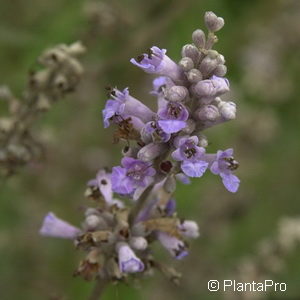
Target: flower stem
<point x="140" y="204"/>
<point x="98" y="289"/>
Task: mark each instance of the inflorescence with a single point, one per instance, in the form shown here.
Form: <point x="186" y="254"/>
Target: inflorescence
<point x="161" y="148"/>
<point x="59" y="75"/>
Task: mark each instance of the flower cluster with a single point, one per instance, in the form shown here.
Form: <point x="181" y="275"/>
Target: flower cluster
<point x="115" y="247"/>
<point x="162" y="147"/>
<point x="188" y="101"/>
<point x="59" y="75"/>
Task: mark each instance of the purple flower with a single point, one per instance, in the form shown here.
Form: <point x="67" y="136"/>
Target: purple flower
<point x="153" y="132"/>
<point x="176" y="247"/>
<point x="173" y="116"/>
<point x="191" y="156"/>
<point x="55" y="227"/>
<point x="156" y="61"/>
<point x="125" y="105"/>
<point x="134" y="174"/>
<point x="112" y="108"/>
<point x="128" y="261"/>
<point x="223" y="165"/>
<point x="160" y="83"/>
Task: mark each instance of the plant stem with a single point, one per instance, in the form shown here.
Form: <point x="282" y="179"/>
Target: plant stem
<point x="98" y="289"/>
<point x="140" y="204"/>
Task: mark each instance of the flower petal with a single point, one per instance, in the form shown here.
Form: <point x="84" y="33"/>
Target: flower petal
<point x="231" y="182"/>
<point x="171" y="126"/>
<point x="215" y="168"/>
<point x="120" y="183"/>
<point x="194" y="169"/>
<point x="176" y="155"/>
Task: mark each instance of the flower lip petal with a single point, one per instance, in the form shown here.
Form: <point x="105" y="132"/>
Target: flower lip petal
<point x="171" y="126"/>
<point x="194" y="169"/>
<point x="231" y="182"/>
<point x="120" y="182"/>
<point x="215" y="168"/>
<point x="176" y="155"/>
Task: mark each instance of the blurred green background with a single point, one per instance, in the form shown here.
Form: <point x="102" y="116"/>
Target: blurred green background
<point x="261" y="45"/>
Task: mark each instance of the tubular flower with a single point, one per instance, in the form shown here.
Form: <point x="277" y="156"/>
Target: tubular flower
<point x="134" y="173"/>
<point x="191" y="156"/>
<point x="223" y="165"/>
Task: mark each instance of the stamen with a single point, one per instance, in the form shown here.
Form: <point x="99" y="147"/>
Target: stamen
<point x="232" y="163"/>
<point x="174" y="110"/>
<point x="190" y="152"/>
<point x="150" y="53"/>
<point x="140" y="58"/>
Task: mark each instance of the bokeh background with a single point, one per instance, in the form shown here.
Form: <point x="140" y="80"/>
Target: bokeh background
<point x="261" y="45"/>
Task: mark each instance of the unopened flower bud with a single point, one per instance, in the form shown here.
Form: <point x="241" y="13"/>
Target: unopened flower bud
<point x="177" y="93"/>
<point x="76" y="48"/>
<point x="212" y="54"/>
<point x="189" y="229"/>
<point x="6" y="124"/>
<point x="186" y="63"/>
<point x="221" y="59"/>
<point x="151" y="151"/>
<point x="39" y="79"/>
<point x="92" y="221"/>
<point x="227" y="110"/>
<point x="75" y="67"/>
<point x="170" y="184"/>
<point x="43" y="103"/>
<point x="128" y="261"/>
<point x="208" y="65"/>
<point x="138" y="242"/>
<point x="203" y="142"/>
<point x="190" y="126"/>
<point x="212" y="22"/>
<point x="91" y="211"/>
<point x="198" y="37"/>
<point x="194" y="76"/>
<point x="220" y="70"/>
<point x="5" y="93"/>
<point x="190" y="51"/>
<point x="212" y="87"/>
<point x="207" y="113"/>
<point x="61" y="82"/>
<point x="19" y="152"/>
<point x="53" y="57"/>
<point x="145" y="136"/>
